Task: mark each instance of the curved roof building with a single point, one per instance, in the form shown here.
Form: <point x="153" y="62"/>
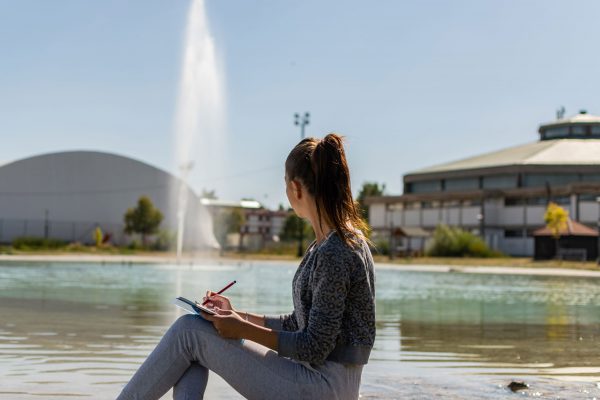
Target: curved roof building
<point x="502" y="194"/>
<point x="66" y="195"/>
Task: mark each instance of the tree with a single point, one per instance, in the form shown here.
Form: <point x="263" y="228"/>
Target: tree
<point x="556" y="219"/>
<point x="143" y="219"/>
<point x="294" y="228"/>
<point x="208" y="194"/>
<point x="227" y="221"/>
<point x="98" y="236"/>
<point x="368" y="189"/>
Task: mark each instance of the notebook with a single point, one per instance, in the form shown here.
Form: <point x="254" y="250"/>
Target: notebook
<point x="193" y="307"/>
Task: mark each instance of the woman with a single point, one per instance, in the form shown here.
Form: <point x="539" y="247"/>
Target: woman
<point x="316" y="352"/>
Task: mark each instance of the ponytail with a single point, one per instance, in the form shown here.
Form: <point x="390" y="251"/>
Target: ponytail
<point x="322" y="167"/>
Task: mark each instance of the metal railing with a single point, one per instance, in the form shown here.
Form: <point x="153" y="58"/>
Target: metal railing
<point x="68" y="231"/>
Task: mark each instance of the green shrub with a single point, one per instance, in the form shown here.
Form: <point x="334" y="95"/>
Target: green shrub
<point x="455" y="242"/>
<point x="135" y="245"/>
<point x="382" y="247"/>
<point x="165" y="240"/>
<point x="37" y="243"/>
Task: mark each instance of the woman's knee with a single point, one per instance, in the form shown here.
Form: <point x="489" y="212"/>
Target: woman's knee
<point x="191" y="322"/>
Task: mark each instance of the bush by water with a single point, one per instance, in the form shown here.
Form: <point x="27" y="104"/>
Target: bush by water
<point x="455" y="242"/>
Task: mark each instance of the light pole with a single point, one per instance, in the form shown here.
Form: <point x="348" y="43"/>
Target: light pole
<point x="481" y="220"/>
<point x="185" y="168"/>
<point x="301" y="121"/>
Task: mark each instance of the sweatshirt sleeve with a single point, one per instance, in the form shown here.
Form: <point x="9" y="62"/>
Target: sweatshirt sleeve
<point x="329" y="284"/>
<point x="286" y="322"/>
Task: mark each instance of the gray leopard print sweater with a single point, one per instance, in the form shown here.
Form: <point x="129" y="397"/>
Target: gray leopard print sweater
<point x="333" y="292"/>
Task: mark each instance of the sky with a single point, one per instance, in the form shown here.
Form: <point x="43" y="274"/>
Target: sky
<point x="410" y="84"/>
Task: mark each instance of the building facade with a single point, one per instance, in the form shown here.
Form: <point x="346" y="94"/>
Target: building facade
<point x="260" y="227"/>
<point x="502" y="195"/>
<point x="66" y="195"/>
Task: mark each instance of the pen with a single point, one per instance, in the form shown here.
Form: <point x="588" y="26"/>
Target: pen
<point x="221" y="291"/>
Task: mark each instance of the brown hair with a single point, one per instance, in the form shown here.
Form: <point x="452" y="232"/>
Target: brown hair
<point x="320" y="164"/>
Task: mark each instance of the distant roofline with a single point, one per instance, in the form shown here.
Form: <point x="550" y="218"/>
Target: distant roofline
<point x="250" y="204"/>
<point x="583" y="118"/>
<point x="578" y="188"/>
<point x="524" y="158"/>
<point x="500" y="170"/>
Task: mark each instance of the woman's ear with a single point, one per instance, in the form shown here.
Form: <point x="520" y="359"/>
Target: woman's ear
<point x="297" y="189"/>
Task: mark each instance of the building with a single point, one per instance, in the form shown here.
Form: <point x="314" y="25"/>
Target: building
<point x="576" y="241"/>
<point x="263" y="226"/>
<point x="502" y="195"/>
<point x="66" y="195"/>
<point x="260" y="227"/>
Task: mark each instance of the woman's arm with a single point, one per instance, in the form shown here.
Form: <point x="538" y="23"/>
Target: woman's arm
<point x="256" y="319"/>
<point x="217" y="300"/>
<point x="230" y="325"/>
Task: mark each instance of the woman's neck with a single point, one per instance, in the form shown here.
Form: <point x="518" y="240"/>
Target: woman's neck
<point x="322" y="235"/>
<point x="321" y="227"/>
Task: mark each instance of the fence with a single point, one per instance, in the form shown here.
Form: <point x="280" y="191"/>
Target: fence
<point x="68" y="231"/>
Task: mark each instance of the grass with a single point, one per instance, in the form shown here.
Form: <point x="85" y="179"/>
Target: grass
<point x="289" y="254"/>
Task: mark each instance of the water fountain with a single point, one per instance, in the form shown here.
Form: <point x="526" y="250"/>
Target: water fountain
<point x="199" y="119"/>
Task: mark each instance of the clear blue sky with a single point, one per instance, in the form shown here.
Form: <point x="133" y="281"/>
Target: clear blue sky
<point x="411" y="84"/>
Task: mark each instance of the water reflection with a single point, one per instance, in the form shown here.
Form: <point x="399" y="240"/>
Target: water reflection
<point x="81" y="330"/>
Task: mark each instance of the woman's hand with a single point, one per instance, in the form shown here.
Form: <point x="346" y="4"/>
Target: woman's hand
<point x="227" y="322"/>
<point x="217" y="300"/>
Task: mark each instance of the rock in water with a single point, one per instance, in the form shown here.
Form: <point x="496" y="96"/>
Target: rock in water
<point x="517" y="385"/>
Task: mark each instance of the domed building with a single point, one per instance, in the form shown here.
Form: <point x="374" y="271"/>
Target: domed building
<point x="66" y="195"/>
<point x="501" y="195"/>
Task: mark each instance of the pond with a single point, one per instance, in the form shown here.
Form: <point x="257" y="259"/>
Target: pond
<point x="79" y="330"/>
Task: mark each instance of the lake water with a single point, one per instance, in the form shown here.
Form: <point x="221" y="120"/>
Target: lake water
<point x="80" y="330"/>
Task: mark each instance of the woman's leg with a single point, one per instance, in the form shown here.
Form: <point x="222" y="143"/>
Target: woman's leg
<point x="253" y="370"/>
<point x="192" y="384"/>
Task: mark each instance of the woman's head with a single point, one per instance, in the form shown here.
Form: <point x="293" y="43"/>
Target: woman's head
<point x="319" y="166"/>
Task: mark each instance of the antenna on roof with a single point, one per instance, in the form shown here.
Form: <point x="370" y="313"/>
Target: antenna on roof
<point x="560" y="113"/>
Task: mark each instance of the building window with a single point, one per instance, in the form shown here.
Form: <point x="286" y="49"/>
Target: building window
<point x="513" y="233"/>
<point x="578" y="130"/>
<point x="471" y="203"/>
<point x="588" y="197"/>
<point x="562" y="200"/>
<point x="590" y="177"/>
<point x="500" y="181"/>
<point x="461" y="184"/>
<point x="425" y="187"/>
<point x="557" y="132"/>
<point x="514" y="201"/>
<point x="451" y="203"/>
<point x="537" y="201"/>
<point x="540" y="180"/>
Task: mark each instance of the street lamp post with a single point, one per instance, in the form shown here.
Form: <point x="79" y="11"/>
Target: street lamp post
<point x="301" y="121"/>
<point x="481" y="219"/>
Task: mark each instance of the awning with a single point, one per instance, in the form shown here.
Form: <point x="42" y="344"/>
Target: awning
<point x="573" y="228"/>
<point x="411" y="231"/>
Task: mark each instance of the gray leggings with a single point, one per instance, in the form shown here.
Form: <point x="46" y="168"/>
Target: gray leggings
<point x="192" y="347"/>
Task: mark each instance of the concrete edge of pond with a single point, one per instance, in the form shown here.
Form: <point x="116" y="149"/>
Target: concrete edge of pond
<point x="494" y="270"/>
<point x="141" y="259"/>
